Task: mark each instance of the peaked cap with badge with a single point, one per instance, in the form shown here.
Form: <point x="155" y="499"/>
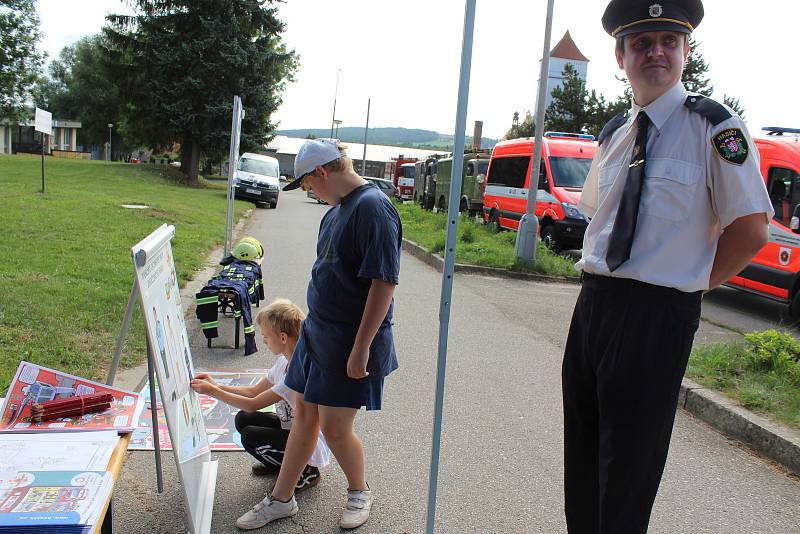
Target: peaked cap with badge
<point x="624" y="17"/>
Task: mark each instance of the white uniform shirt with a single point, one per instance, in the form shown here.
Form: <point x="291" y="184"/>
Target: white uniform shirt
<point x="690" y="194"/>
<point x="285" y="407"/>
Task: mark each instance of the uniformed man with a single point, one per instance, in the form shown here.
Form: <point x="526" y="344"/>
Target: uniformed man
<point x="677" y="206"/>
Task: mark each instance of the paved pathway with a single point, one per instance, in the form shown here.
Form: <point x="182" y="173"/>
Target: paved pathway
<point x="501" y="465"/>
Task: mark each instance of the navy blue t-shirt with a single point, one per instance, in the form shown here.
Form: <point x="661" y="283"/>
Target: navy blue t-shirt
<point x="359" y="240"/>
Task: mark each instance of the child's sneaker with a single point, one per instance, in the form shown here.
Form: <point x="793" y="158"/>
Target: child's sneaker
<point x="356" y="512"/>
<point x="261" y="470"/>
<point x="308" y="479"/>
<point x="266" y="511"/>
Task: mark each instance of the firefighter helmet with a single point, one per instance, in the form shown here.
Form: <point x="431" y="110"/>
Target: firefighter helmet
<point x="245" y="250"/>
<point x="256" y="242"/>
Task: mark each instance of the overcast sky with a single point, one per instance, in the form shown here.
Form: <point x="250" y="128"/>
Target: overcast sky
<point x="405" y="56"/>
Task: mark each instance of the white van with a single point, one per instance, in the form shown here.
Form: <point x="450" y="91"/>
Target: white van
<point x="258" y="179"/>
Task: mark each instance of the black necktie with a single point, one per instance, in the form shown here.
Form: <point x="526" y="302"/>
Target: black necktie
<point x="621" y="239"/>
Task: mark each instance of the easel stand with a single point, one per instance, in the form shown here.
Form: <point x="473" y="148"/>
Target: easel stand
<point x="123" y="335"/>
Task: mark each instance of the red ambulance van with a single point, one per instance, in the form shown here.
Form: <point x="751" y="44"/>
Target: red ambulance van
<point x="566" y="159"/>
<point x="774" y="272"/>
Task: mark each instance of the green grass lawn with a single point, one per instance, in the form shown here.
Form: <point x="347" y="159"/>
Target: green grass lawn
<point x="66" y="268"/>
<point x="477" y="245"/>
<point x="761" y="372"/>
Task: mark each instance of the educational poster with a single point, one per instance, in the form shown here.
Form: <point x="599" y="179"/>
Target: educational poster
<point x="166" y="331"/>
<point x="63" y="451"/>
<point x="63" y="501"/>
<point x="219" y="417"/>
<point x="34" y="384"/>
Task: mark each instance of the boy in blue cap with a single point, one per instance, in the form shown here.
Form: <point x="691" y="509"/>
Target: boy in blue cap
<point x="346" y="347"/>
<point x="677" y="206"/>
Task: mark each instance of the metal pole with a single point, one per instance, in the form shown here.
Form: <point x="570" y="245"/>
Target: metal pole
<point x="233" y="157"/>
<point x="335" y="93"/>
<point x="529" y="224"/>
<point x="109" y="142"/>
<point x="44" y="140"/>
<point x="154" y="417"/>
<point x="366" y="129"/>
<point x="450" y="255"/>
<point x="123" y="334"/>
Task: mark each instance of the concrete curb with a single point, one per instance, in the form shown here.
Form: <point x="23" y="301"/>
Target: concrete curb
<point x="437" y="262"/>
<point x="768" y="439"/>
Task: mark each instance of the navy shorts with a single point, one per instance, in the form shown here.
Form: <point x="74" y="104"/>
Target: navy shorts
<point x="327" y="389"/>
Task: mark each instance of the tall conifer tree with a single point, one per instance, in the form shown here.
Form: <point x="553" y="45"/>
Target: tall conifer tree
<point x="180" y="62"/>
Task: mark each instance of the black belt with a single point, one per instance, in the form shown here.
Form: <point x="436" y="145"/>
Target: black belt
<point x="628" y="285"/>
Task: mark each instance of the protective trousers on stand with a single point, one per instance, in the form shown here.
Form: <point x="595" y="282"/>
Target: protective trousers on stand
<point x="208" y="312"/>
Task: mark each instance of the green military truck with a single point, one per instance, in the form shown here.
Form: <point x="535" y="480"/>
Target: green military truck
<point x="473" y="183"/>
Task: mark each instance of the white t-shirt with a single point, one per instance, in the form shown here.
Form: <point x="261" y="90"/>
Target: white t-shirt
<point x="285" y="407"/>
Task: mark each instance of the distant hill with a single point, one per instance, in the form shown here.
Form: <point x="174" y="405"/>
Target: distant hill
<point x="404" y="137"/>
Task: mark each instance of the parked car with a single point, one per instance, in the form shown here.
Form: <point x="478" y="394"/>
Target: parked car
<point x="386" y="186"/>
<point x="258" y="179"/>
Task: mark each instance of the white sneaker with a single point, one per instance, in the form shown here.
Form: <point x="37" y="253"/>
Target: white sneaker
<point x="356" y="512"/>
<point x="266" y="511"/>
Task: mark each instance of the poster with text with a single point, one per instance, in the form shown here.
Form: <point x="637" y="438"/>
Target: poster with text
<point x="219" y="418"/>
<point x="166" y="332"/>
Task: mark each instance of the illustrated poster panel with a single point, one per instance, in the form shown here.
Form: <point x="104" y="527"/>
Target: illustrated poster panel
<point x="219" y="417"/>
<point x="35" y="384"/>
<point x="166" y="331"/>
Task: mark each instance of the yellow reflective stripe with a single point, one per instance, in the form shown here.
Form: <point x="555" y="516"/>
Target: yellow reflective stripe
<point x="207" y="300"/>
<point x="249" y="329"/>
<point x="211" y="324"/>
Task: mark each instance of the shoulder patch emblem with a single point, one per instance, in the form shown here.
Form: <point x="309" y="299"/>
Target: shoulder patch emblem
<point x="732" y="146"/>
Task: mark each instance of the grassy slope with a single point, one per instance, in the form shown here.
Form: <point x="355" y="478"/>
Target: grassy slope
<point x="66" y="270"/>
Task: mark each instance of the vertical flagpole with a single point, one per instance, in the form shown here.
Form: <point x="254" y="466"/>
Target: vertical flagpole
<point x="450" y="256"/>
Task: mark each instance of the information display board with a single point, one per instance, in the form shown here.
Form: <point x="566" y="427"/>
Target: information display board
<point x="166" y="332"/>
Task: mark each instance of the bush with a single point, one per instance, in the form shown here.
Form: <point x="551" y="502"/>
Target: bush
<point x="774" y="352"/>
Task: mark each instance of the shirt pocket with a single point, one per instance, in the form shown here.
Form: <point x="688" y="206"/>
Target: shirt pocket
<point x="605" y="179"/>
<point x="669" y="188"/>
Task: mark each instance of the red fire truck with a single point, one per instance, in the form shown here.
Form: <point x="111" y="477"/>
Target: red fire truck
<point x="394" y="171"/>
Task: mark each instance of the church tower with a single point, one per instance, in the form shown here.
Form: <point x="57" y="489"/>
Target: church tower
<point x="565" y="52"/>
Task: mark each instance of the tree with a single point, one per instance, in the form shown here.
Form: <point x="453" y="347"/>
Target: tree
<point x="20" y="63"/>
<point x="735" y="105"/>
<point x="81" y="87"/>
<point x="180" y="63"/>
<point x="576" y="109"/>
<point x="527" y="128"/>
<point x="695" y="71"/>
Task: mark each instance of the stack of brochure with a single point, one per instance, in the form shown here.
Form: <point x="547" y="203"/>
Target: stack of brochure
<point x="56" y="482"/>
<point x="33" y="384"/>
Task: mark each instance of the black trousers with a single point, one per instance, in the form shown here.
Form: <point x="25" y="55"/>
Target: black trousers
<point x="262" y="436"/>
<point x="627" y="350"/>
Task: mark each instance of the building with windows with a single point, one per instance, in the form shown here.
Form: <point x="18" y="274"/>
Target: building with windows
<point x="564" y="53"/>
<point x="22" y="137"/>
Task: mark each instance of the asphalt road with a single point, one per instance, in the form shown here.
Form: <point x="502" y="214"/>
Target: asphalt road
<point x="501" y="469"/>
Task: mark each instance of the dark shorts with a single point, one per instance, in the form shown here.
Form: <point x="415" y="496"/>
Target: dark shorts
<point x="326" y="389"/>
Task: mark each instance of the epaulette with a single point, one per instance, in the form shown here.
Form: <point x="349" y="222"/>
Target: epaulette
<point x="612" y="126"/>
<point x="712" y="110"/>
